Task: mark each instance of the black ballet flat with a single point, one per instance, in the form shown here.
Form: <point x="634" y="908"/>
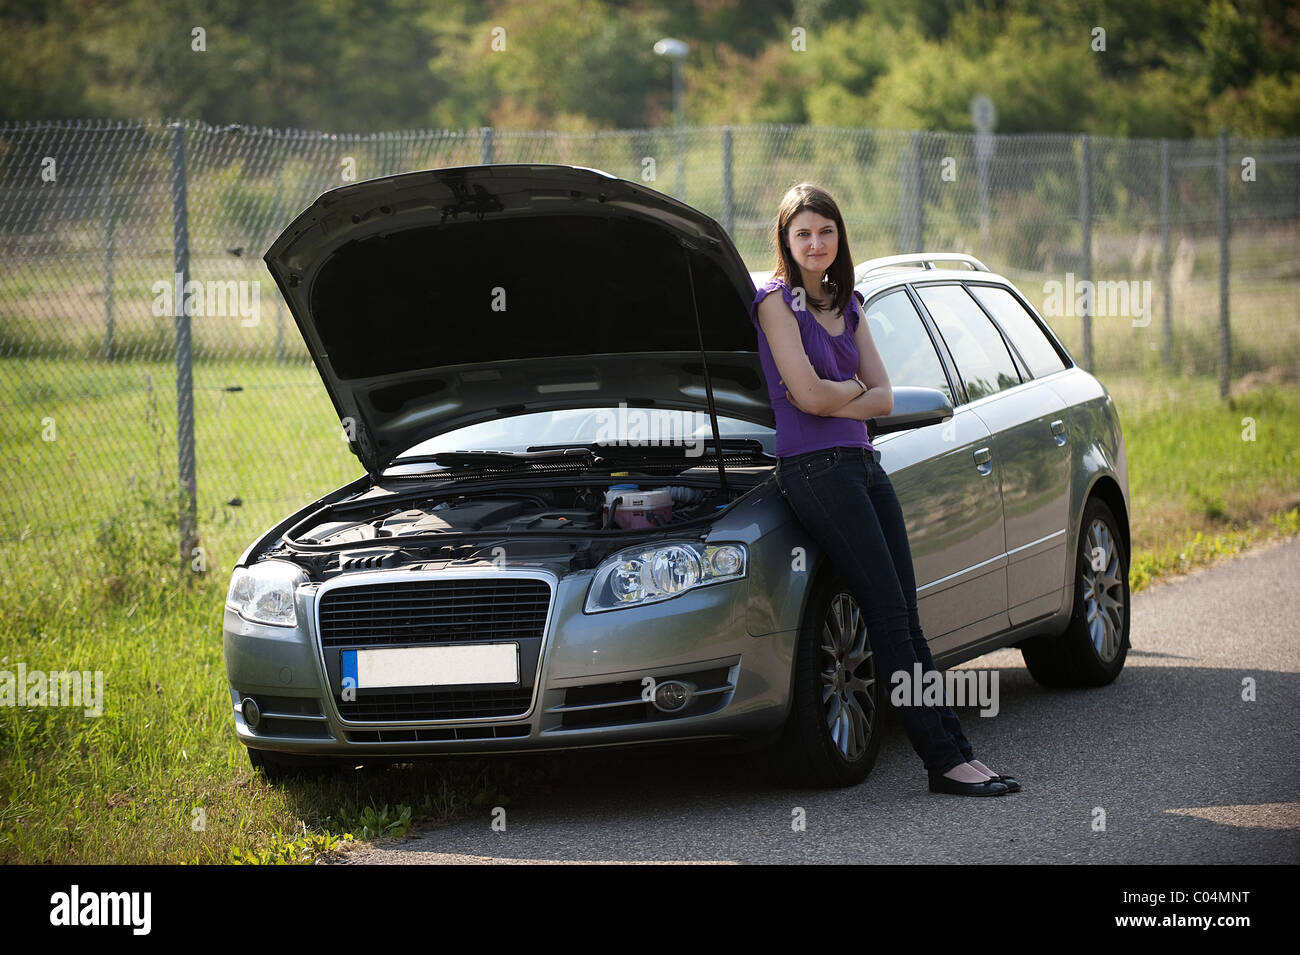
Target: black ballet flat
<point x="1013" y="786"/>
<point x="990" y="787"/>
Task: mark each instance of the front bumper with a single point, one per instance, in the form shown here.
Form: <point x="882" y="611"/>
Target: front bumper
<point x="581" y="688"/>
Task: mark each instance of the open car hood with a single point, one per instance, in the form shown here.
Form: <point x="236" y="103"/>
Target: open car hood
<point x="438" y="299"/>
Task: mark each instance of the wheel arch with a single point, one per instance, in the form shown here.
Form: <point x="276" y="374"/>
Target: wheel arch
<point x="1107" y="490"/>
<point x="821" y="575"/>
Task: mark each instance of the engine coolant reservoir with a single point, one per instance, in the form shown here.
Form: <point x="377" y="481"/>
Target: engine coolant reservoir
<point x="637" y="508"/>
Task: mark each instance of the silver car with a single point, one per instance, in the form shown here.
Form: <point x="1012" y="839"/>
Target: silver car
<point x="568" y="533"/>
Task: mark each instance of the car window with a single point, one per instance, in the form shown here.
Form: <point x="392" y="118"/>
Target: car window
<point x="977" y="347"/>
<point x="904" y="344"/>
<point x="1034" y="345"/>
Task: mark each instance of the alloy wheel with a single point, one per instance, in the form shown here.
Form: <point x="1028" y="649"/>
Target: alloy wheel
<point x="848" y="677"/>
<point x="1103" y="591"/>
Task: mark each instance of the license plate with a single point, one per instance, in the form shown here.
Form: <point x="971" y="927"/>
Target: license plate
<point x="432" y="666"/>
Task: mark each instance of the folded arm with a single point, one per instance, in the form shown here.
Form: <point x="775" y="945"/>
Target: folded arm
<point x="872" y="403"/>
<point x="806" y="390"/>
<point x="868" y="394"/>
<point x="877" y="400"/>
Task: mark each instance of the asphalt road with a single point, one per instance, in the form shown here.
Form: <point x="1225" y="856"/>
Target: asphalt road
<point x="1184" y="769"/>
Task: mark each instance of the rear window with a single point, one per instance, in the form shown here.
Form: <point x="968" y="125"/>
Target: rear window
<point x="985" y="365"/>
<point x="1025" y="333"/>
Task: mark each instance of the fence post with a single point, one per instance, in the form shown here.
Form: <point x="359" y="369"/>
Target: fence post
<point x="486" y="145"/>
<point x="679" y="138"/>
<point x="983" y="146"/>
<point x="909" y="239"/>
<point x="108" y="263"/>
<point x="728" y="209"/>
<point x="918" y="226"/>
<point x="1167" y="330"/>
<point x="1085" y="221"/>
<point x="1225" y="356"/>
<point x="278" y="222"/>
<point x="184" y="358"/>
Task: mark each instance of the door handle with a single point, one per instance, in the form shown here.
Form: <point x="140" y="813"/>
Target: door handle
<point x="1058" y="431"/>
<point x="983" y="461"/>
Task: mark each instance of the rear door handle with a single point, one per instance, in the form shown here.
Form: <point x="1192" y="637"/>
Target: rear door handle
<point x="1058" y="431"/>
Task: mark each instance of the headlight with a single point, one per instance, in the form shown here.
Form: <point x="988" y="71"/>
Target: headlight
<point x="654" y="572"/>
<point x="264" y="593"/>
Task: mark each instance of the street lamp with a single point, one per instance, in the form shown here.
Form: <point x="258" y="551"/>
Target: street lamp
<point x="676" y="51"/>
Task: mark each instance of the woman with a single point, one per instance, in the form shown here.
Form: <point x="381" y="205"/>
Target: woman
<point x="825" y="379"/>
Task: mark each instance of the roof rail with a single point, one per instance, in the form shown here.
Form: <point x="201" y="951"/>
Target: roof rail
<point x="924" y="259"/>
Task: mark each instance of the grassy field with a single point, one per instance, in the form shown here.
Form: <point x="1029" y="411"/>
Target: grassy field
<point x="88" y="581"/>
<point x="266" y="437"/>
<point x="1207" y="477"/>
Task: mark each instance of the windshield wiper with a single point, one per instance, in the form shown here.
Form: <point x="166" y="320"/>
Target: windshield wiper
<point x="584" y="456"/>
<point x="502" y="460"/>
<point x="631" y="451"/>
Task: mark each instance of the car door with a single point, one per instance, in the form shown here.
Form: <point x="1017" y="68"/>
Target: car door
<point x="949" y="495"/>
<point x="1026" y="418"/>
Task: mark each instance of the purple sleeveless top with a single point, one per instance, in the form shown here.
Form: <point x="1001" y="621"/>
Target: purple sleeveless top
<point x="833" y="357"/>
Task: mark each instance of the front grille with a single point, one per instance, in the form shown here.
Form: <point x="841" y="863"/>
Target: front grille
<point x="440" y="735"/>
<point x="427" y="611"/>
<point x="434" y="611"/>
<point x="437" y="705"/>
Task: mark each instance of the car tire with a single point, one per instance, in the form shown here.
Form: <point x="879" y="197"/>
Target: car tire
<point x="832" y="733"/>
<point x="277" y="767"/>
<point x="1092" y="649"/>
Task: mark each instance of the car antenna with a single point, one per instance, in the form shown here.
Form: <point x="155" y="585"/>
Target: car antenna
<point x="704" y="360"/>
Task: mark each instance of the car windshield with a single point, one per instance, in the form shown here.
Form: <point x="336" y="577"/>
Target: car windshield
<point x="629" y="427"/>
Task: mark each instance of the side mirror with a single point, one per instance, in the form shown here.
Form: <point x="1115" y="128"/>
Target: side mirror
<point x="913" y="408"/>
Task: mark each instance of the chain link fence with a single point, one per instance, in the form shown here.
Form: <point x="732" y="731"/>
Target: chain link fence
<point x="1143" y="255"/>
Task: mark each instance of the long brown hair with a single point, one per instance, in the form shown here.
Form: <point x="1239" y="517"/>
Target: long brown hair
<point x="838" y="281"/>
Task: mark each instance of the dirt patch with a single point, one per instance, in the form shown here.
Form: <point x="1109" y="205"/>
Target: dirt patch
<point x="1283" y="376"/>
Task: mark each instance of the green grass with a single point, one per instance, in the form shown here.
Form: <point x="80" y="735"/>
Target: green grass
<point x="125" y="787"/>
<point x="1198" y="487"/>
<point x="272" y="445"/>
<point x="90" y="581"/>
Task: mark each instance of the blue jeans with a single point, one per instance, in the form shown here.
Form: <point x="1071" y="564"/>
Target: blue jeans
<point x="846" y="502"/>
